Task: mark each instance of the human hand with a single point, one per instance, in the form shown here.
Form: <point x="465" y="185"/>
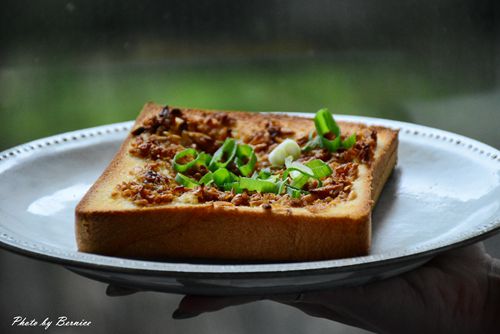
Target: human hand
<point x="456" y="292"/>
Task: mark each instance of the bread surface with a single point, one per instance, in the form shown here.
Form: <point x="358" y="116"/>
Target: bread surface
<point x="217" y="231"/>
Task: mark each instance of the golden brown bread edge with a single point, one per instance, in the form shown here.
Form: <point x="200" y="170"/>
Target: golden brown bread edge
<point x="218" y="232"/>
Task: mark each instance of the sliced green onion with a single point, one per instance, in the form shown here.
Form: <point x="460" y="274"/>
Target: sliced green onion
<point x="297" y="166"/>
<point x="311" y="135"/>
<point x="312" y="143"/>
<point x="234" y="186"/>
<point x="265" y="173"/>
<point x="261" y="186"/>
<point x="319" y="168"/>
<point x="207" y="179"/>
<point x="199" y="159"/>
<point x="293" y="192"/>
<point x="331" y="145"/>
<point x="325" y="124"/>
<point x="224" y="155"/>
<point x="246" y="170"/>
<point x="245" y="159"/>
<point x="222" y="176"/>
<point x="273" y="178"/>
<point x="295" y="169"/>
<point x="349" y="142"/>
<point x="234" y="177"/>
<point x="203" y="159"/>
<point x="281" y="186"/>
<point x="300" y="181"/>
<point x="186" y="181"/>
<point x="285" y="149"/>
<point x="184" y="167"/>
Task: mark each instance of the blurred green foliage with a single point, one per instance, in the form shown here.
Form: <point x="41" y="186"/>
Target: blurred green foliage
<point x="39" y="101"/>
<point x="73" y="64"/>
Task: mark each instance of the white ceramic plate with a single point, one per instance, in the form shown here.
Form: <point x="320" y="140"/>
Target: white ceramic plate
<point x="444" y="193"/>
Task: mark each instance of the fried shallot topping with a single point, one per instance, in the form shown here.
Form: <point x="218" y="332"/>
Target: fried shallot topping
<point x="160" y="137"/>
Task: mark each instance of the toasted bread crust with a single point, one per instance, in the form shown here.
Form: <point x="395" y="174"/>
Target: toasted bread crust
<point x="217" y="231"/>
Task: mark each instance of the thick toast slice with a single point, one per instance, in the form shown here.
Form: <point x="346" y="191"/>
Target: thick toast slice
<point x="136" y="209"/>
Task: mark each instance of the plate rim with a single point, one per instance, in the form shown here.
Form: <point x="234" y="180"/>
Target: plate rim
<point x="182" y="269"/>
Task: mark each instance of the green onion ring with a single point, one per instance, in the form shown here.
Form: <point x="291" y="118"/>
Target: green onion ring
<point x="222" y="176"/>
<point x="330" y="145"/>
<point x="320" y="168"/>
<point x="199" y="159"/>
<point x="300" y="181"/>
<point x="207" y="179"/>
<point x="227" y="149"/>
<point x="261" y="186"/>
<point x="184" y="167"/>
<point x="325" y="124"/>
<point x="245" y="153"/>
<point x="186" y="181"/>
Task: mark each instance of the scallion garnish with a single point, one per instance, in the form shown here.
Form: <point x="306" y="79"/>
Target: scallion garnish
<point x="300" y="181"/>
<point x="312" y="143"/>
<point x="207" y="179"/>
<point x="349" y="142"/>
<point x="185" y="153"/>
<point x="327" y="127"/>
<point x="297" y="166"/>
<point x="198" y="159"/>
<point x="295" y="169"/>
<point x="264" y="173"/>
<point x="223" y="176"/>
<point x="281" y="186"/>
<point x="287" y="148"/>
<point x="331" y="145"/>
<point x="245" y="159"/>
<point x="186" y="181"/>
<point x="232" y="155"/>
<point x="325" y="124"/>
<point x="224" y="155"/>
<point x="294" y="192"/>
<point x="319" y="168"/>
<point x="261" y="186"/>
<point x="203" y="159"/>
